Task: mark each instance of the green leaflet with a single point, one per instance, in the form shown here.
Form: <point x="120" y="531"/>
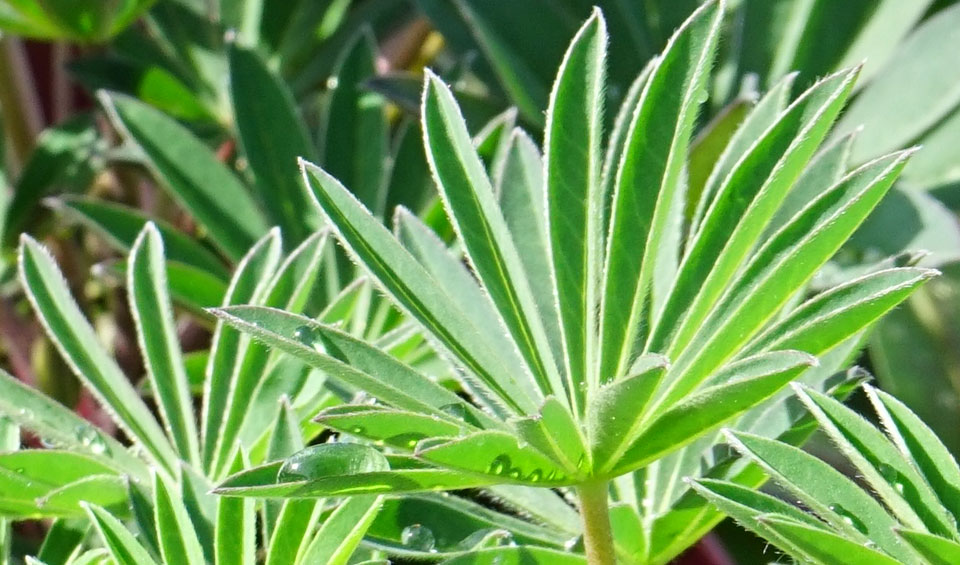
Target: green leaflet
<point x="831" y="316"/>
<point x="832" y="496"/>
<point x="572" y="160"/>
<point x="896" y="482"/>
<point x="500" y="455"/>
<point x="76" y="341"/>
<point x="935" y="550"/>
<point x="157" y="337"/>
<point x="248" y="284"/>
<point x="826" y="547"/>
<point x="472" y="207"/>
<point x="746" y="384"/>
<point x="341" y="532"/>
<point x="648" y="175"/>
<point x="262" y="482"/>
<point x="348" y="358"/>
<point x="744" y="203"/>
<point x="784" y="263"/>
<point x="920" y="445"/>
<point x="52" y="421"/>
<point x="178" y="540"/>
<point x="412" y="288"/>
<point x="121" y="544"/>
<point x="235" y="537"/>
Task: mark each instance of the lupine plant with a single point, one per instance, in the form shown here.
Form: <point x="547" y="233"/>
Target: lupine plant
<point x="906" y="512"/>
<point x="607" y="320"/>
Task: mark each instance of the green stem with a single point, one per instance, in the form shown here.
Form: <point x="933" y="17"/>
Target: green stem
<point x="22" y="118"/>
<point x="597" y="537"/>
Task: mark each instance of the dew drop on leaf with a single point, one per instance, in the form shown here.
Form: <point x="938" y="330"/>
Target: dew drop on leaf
<point x="535" y="476"/>
<point x="331" y="459"/>
<point x="849" y="518"/>
<point x="418" y="538"/>
<point x="455" y="410"/>
<point x="90" y="439"/>
<point x="305" y="335"/>
<point x="500" y="465"/>
<point x="892" y="476"/>
<point x="406" y="441"/>
<point x="574" y="544"/>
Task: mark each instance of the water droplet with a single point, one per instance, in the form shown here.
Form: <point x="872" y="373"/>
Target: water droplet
<point x="26" y="414"/>
<point x="418" y="538"/>
<point x="535" y="476"/>
<point x="581" y="461"/>
<point x="305" y="335"/>
<point x="406" y="441"/>
<point x="514" y="473"/>
<point x="21" y="470"/>
<point x="849" y="518"/>
<point x="357" y="430"/>
<point x="892" y="476"/>
<point x="363" y="398"/>
<point x="486" y="538"/>
<point x="455" y="410"/>
<point x="332" y="83"/>
<point x="90" y="438"/>
<point x="331" y="459"/>
<point x="500" y="465"/>
<point x="574" y="544"/>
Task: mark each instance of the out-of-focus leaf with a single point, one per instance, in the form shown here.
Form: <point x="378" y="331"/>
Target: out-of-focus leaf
<point x="355" y="134"/>
<point x="273" y="137"/>
<point x="913" y="351"/>
<point x="153" y="84"/>
<point x="120" y="225"/>
<point x="894" y="116"/>
<point x="192" y="173"/>
<point x="909" y="220"/>
<point x="66" y="158"/>
<point x="80" y="20"/>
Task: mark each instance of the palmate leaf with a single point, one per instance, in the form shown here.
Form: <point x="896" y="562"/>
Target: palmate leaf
<point x="914" y="510"/>
<point x="570" y="280"/>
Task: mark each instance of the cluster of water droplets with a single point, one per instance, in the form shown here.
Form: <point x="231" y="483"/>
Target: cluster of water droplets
<point x="502" y="466"/>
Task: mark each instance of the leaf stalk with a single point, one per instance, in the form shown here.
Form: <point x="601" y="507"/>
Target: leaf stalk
<point x="597" y="535"/>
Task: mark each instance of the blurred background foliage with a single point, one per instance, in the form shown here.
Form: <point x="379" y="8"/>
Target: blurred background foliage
<point x="192" y="113"/>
